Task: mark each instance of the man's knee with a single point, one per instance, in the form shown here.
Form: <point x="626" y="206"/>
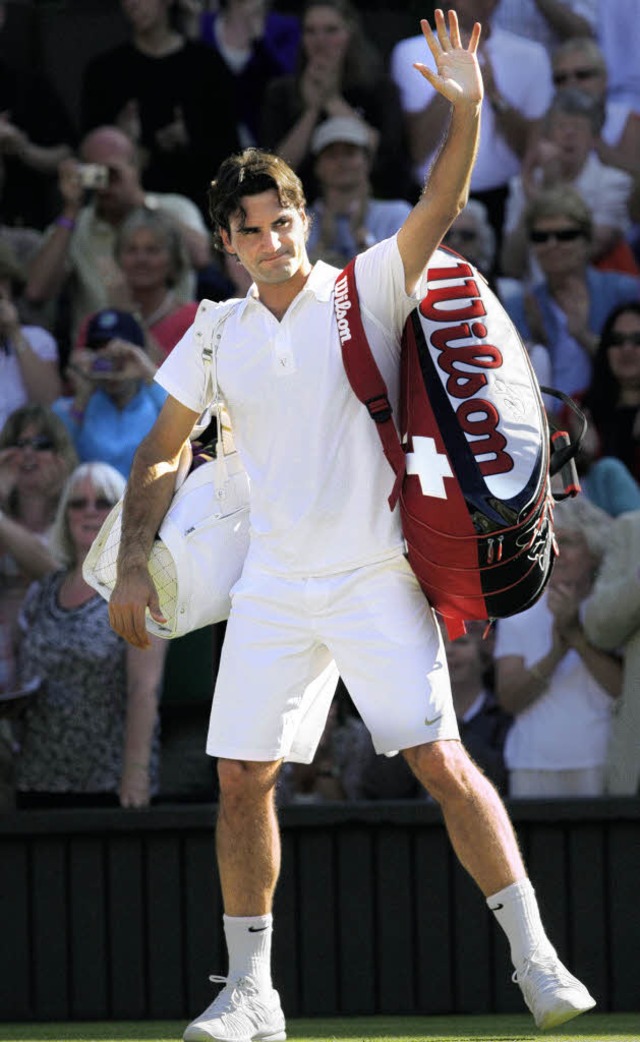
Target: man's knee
<point x="444" y="768"/>
<point x="243" y="781"/>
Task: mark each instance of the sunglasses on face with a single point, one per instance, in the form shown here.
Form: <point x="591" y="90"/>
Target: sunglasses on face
<point x="560" y="78"/>
<point x="40" y="443"/>
<point x="620" y="339"/>
<point x="82" y="503"/>
<point x="560" y="234"/>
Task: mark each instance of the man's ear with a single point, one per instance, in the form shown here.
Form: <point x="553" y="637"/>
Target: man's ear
<point x="226" y="242"/>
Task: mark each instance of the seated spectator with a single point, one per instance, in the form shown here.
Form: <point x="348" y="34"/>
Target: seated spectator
<point x="115" y="401"/>
<point x="613" y="396"/>
<point x="565" y="154"/>
<point x="518" y="90"/>
<point x="29" y="370"/>
<point x="483" y="724"/>
<point x="89" y="735"/>
<point x="36" y="134"/>
<point x="612" y="622"/>
<point x="560" y="688"/>
<point x="256" y="44"/>
<point x="548" y="22"/>
<point x="77" y="253"/>
<point x="157" y="87"/>
<point x="152" y="260"/>
<point x="580" y="63"/>
<point x="567" y="310"/>
<point x="340" y="73"/>
<point x="346" y="218"/>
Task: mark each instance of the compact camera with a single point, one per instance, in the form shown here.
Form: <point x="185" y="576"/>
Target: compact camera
<point x="93" y="175"/>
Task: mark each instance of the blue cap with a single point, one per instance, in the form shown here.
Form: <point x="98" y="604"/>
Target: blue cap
<point x="110" y="324"/>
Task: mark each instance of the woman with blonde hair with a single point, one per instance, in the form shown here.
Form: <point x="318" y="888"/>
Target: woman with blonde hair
<point x="89" y="736"/>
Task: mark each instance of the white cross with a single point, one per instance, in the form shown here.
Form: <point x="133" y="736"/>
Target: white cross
<point x="430" y="466"/>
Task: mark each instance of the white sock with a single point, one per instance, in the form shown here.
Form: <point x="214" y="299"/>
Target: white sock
<point x="249" y="946"/>
<point x="516" y="909"/>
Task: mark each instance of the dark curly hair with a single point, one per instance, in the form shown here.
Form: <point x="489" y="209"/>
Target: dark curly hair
<point x="250" y="173"/>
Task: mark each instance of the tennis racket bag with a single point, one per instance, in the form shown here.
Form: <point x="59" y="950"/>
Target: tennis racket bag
<point x="474" y="455"/>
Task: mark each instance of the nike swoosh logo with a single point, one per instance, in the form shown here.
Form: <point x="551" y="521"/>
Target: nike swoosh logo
<point x="429" y="722"/>
<point x="259" y="929"/>
<point x="496" y="908"/>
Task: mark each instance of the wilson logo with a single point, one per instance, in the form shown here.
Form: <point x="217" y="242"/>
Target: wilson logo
<point x="342" y="305"/>
<point x="465" y="364"/>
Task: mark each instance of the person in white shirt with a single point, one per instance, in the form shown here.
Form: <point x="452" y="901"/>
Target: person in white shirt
<point x="560" y="687"/>
<point x="325" y="576"/>
<point x="518" y="91"/>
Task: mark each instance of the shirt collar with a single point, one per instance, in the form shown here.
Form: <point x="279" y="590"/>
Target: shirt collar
<point x="320" y="283"/>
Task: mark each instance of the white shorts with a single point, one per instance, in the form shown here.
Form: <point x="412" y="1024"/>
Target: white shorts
<point x="286" y="641"/>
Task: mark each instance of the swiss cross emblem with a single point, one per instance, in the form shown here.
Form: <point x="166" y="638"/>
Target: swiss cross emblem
<point x="430" y="466"/>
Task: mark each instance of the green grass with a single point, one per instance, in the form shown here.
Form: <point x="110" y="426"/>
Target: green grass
<point x="595" y="1027"/>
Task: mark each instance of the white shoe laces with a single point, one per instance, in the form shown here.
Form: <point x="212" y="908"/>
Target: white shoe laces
<point x="235" y="994"/>
<point x="545" y="963"/>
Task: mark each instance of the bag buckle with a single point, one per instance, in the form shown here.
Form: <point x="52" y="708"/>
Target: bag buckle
<point x="379" y="408"/>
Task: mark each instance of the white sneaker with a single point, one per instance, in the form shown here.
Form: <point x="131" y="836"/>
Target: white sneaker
<point x="552" y="993"/>
<point x="241" y="1012"/>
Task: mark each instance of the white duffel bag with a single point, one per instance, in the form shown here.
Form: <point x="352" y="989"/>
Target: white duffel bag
<point x="200" y="548"/>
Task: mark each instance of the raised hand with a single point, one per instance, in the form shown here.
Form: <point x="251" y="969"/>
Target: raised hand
<point x="458" y="77"/>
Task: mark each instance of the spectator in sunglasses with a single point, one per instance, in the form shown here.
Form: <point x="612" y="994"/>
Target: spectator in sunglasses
<point x="613" y="396"/>
<point x="115" y="400"/>
<point x="567" y="309"/>
<point x="89" y="736"/>
<point x="565" y="154"/>
<point x="579" y="63"/>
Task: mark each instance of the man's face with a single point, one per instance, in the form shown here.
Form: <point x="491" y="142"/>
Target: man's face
<point x="343" y="166"/>
<point x="574" y="138"/>
<point x="269" y="240"/>
<point x="115" y="200"/>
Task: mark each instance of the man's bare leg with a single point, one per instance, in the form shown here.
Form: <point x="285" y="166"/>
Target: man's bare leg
<point x="485" y="843"/>
<point x="247" y="836"/>
<point x="477" y="822"/>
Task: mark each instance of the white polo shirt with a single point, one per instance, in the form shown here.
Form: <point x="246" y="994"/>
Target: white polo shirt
<point x="319" y="480"/>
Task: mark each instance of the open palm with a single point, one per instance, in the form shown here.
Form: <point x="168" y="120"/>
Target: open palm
<point x="458" y="76"/>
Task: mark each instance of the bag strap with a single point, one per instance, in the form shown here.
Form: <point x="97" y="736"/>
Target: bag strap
<point x="208" y="327"/>
<point x="364" y="375"/>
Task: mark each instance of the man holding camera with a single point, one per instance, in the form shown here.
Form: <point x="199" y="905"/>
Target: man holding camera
<point x="97" y="194"/>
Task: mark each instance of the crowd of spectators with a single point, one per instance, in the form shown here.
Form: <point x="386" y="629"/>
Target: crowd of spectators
<point x="104" y="256"/>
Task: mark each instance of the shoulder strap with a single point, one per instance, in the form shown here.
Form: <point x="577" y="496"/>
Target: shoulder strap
<point x="364" y="375"/>
<point x="208" y="326"/>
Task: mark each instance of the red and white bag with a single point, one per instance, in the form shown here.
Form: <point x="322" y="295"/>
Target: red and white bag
<point x="472" y="455"/>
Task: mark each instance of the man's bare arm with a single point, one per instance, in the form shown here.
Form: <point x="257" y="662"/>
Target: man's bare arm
<point x="149" y="491"/>
<point x="446" y="192"/>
